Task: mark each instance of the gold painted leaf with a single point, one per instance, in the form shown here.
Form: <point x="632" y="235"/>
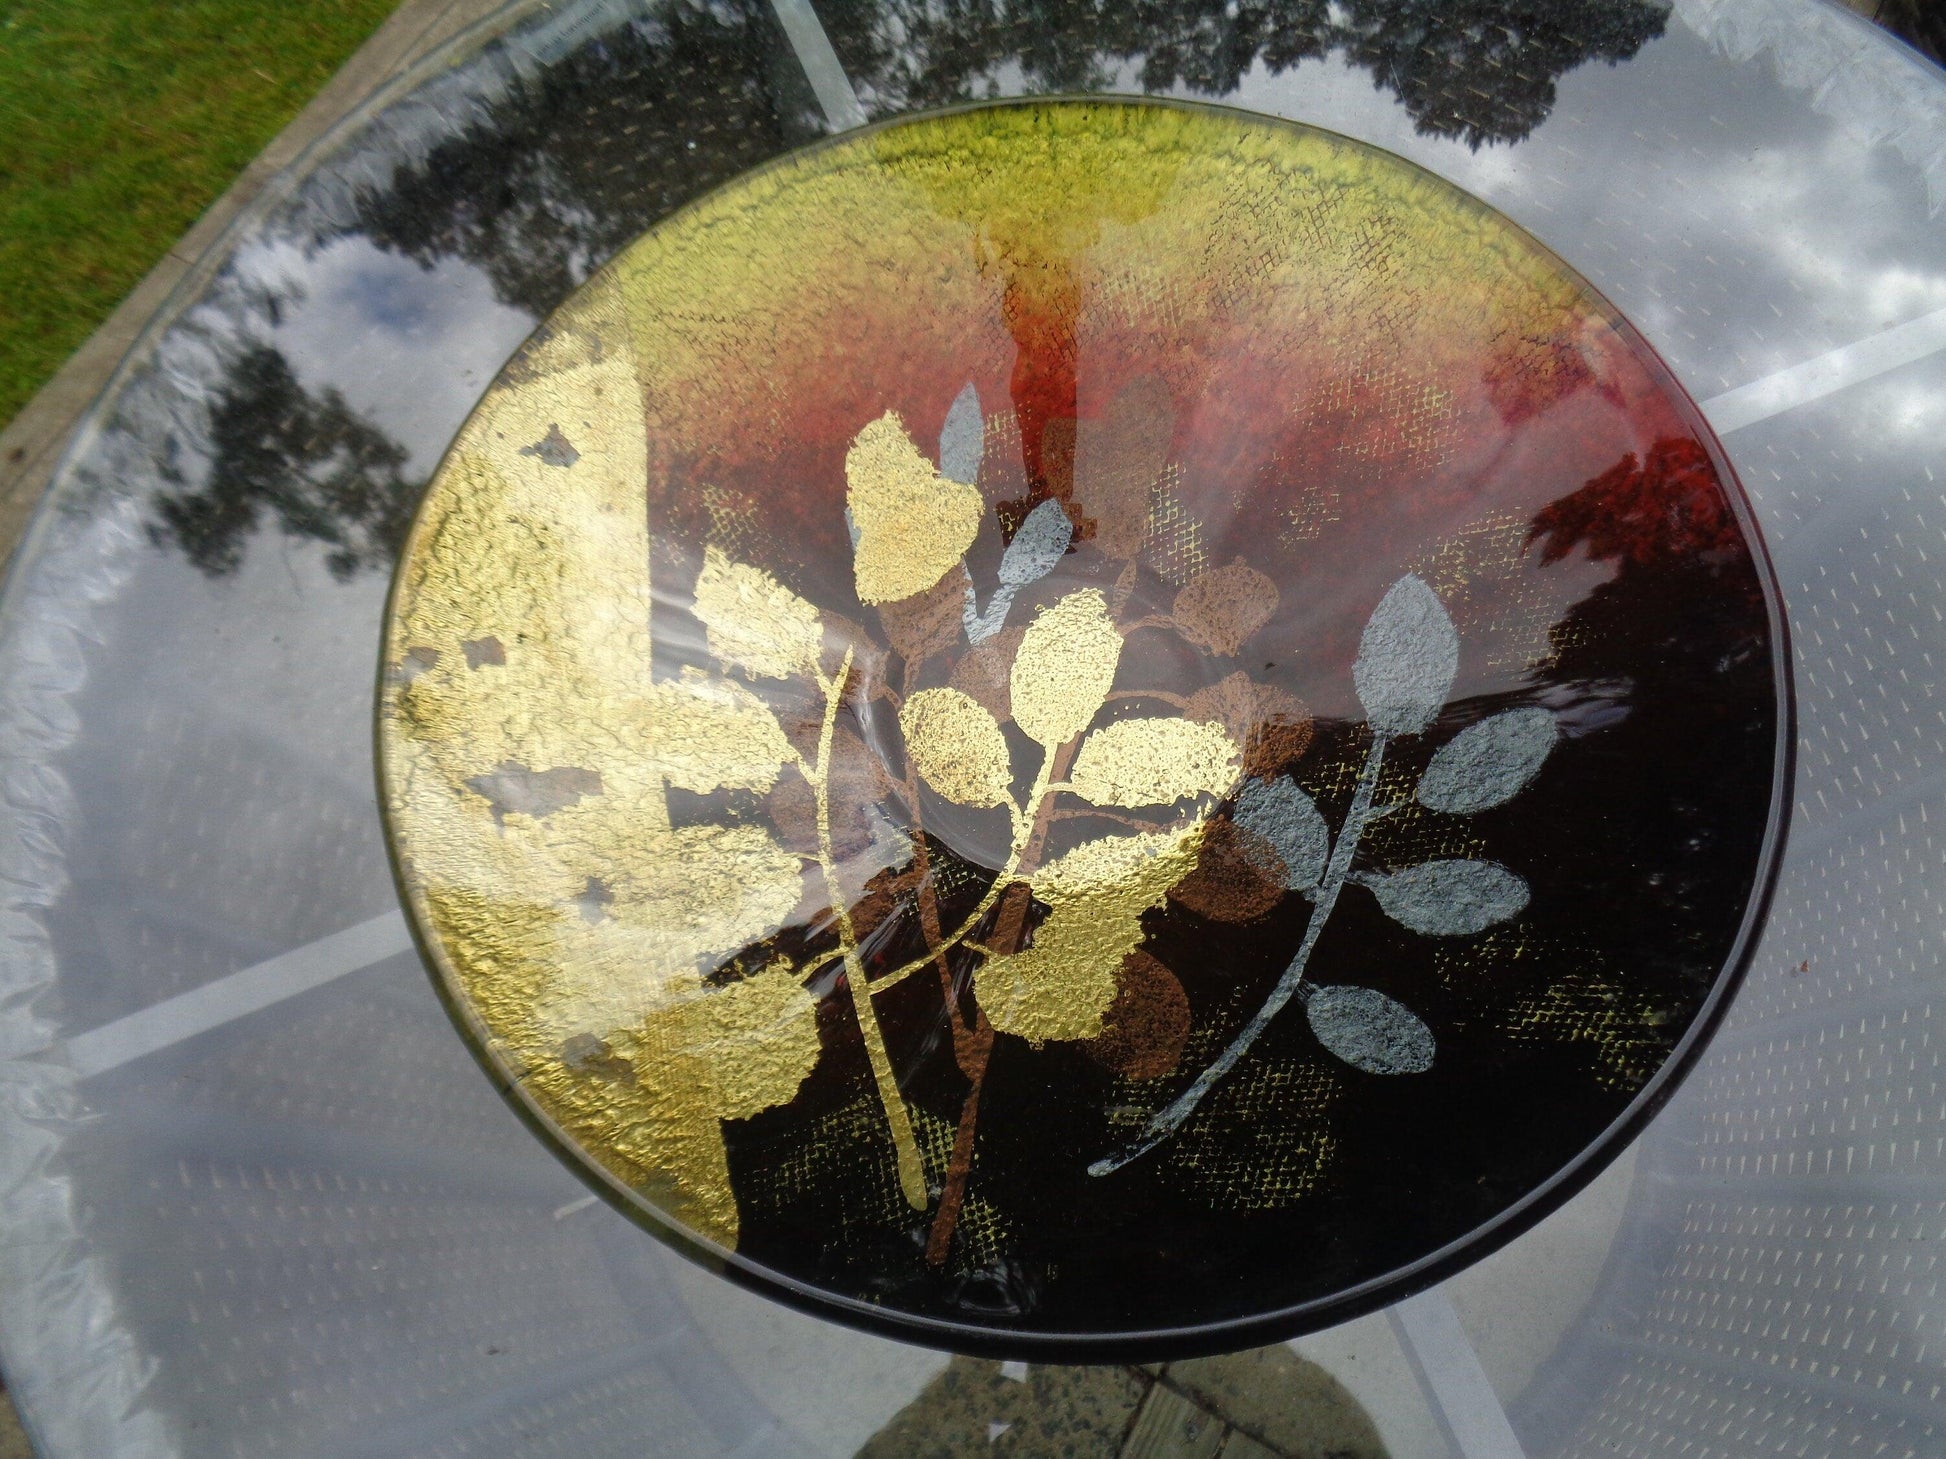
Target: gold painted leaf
<point x="703" y="733"/>
<point x="754" y="622"/>
<point x="1060" y="986"/>
<point x="912" y="523"/>
<point x="526" y="762"/>
<point x="1219" y="609"/>
<point x="1065" y="668"/>
<point x="1137" y="762"/>
<point x="958" y="748"/>
<point x="637" y="910"/>
<point x="704" y="1056"/>
<point x="739" y="1050"/>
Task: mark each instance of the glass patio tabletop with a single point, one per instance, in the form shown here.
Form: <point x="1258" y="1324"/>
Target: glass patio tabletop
<point x="261" y="1199"/>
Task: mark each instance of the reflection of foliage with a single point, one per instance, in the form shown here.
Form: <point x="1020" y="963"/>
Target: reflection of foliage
<point x="1684" y="610"/>
<point x="572" y="163"/>
<point x="1920" y="24"/>
<point x="1479" y="70"/>
<point x="327" y="474"/>
<point x="557" y="172"/>
<point x="1652" y="512"/>
<point x="1484" y="70"/>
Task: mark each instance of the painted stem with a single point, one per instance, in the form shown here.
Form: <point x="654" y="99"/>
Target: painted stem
<point x="939" y="1241"/>
<point x="912" y="1176"/>
<point x="1166" y="1121"/>
<point x="978" y="1043"/>
<point x="1023" y="821"/>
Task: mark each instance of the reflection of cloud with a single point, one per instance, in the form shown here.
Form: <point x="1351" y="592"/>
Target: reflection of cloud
<point x="1877" y="91"/>
<point x="411" y="349"/>
<point x="1732" y="233"/>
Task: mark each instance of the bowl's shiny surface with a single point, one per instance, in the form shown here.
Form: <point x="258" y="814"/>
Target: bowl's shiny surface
<point x="1295" y="769"/>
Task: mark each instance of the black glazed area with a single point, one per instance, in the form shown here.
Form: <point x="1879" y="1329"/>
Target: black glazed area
<point x="1647" y="839"/>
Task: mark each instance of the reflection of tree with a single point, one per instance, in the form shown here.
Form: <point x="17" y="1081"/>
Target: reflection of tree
<point x="553" y="175"/>
<point x="328" y="475"/>
<point x="1919" y="23"/>
<point x="1482" y="70"/>
<point x="1667" y="509"/>
<point x="1682" y="624"/>
<point x="570" y="164"/>
<point x="912" y="53"/>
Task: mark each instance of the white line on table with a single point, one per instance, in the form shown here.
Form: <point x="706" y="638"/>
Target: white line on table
<point x="829" y="83"/>
<point x="1462" y="1400"/>
<point x="254" y="988"/>
<point x="1850" y="364"/>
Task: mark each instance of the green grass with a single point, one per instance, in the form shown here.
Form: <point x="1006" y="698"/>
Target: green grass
<point x="120" y="122"/>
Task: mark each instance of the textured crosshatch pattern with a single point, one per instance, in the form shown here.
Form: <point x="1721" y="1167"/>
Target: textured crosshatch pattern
<point x="1073" y="689"/>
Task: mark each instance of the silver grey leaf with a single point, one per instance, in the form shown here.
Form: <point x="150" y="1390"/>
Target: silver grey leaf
<point x="1449" y="898"/>
<point x="1489" y="763"/>
<point x="1037" y="546"/>
<point x="982" y="626"/>
<point x="1370" y="1031"/>
<point x="1288" y="819"/>
<point x="962" y="440"/>
<point x="1406" y="659"/>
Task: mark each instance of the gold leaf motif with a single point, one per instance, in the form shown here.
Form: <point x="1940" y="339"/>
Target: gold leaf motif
<point x="912" y="523"/>
<point x="705" y="1056"/>
<point x="611" y="912"/>
<point x="958" y="748"/>
<point x="1065" y="668"/>
<point x="702" y="733"/>
<point x="754" y="622"/>
<point x="1061" y="985"/>
<point x="1137" y="762"/>
<point x="746" y="1047"/>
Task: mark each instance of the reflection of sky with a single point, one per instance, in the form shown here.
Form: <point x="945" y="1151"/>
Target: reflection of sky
<point x="411" y="349"/>
<point x="1738" y="230"/>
